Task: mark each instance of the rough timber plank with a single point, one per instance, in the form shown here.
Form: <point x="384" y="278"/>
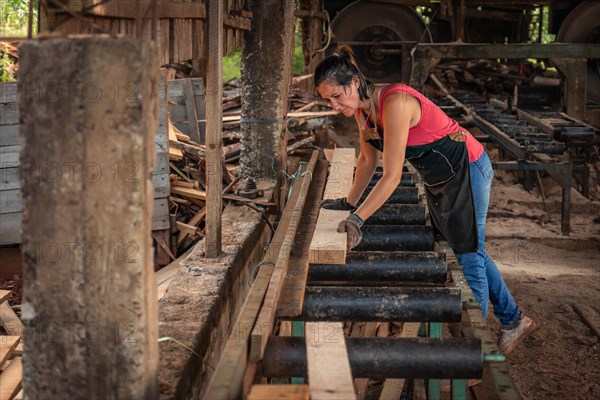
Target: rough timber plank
<point x="228" y="375"/>
<point x="283" y="392"/>
<point x="7" y="345"/>
<point x="4" y="295"/>
<point x="264" y="322"/>
<point x="328" y="246"/>
<point x="341" y="172"/>
<point x="292" y="295"/>
<point x="9" y="320"/>
<point x="214" y="125"/>
<point x="11" y="379"/>
<point x="329" y="373"/>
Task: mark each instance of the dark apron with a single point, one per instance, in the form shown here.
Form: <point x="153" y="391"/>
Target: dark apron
<point x="444" y="167"/>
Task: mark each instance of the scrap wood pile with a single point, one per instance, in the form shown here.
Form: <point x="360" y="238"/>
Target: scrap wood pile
<point x="187" y="160"/>
<point x="489" y="76"/>
<point x="11" y="350"/>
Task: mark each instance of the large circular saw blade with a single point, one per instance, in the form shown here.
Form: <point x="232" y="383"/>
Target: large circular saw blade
<point x="365" y="21"/>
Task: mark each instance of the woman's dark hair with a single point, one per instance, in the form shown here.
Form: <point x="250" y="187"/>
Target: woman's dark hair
<point x="340" y="68"/>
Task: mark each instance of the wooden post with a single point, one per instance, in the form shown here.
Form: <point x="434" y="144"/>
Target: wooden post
<point x="89" y="113"/>
<point x="266" y="75"/>
<point x="214" y="125"/>
<point x="574" y="94"/>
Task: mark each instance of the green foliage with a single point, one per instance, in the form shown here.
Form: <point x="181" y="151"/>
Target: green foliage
<point x="7" y="67"/>
<point x="14" y="17"/>
<point x="232" y="66"/>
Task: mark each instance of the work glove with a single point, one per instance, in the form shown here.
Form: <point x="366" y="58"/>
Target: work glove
<point x="351" y="226"/>
<point x="340" y="204"/>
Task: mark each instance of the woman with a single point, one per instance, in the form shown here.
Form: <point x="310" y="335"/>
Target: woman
<point x="456" y="171"/>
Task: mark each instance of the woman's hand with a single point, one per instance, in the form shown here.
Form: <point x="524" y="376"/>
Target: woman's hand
<point x="351" y="226"/>
<point x="340" y="204"/>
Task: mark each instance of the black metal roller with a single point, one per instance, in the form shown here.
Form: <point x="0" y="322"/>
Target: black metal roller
<point x="382" y="358"/>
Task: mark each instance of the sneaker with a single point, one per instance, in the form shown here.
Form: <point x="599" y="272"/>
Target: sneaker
<point x="510" y="338"/>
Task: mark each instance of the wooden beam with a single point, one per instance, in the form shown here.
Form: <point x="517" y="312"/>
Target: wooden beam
<point x="328" y="365"/>
<point x="214" y="125"/>
<point x="228" y="376"/>
<point x="328" y="246"/>
<point x="281" y="392"/>
<point x="143" y="9"/>
<point x="10" y="322"/>
<point x="11" y="379"/>
<point x="4" y="295"/>
<point x="294" y="286"/>
<point x="202" y="195"/>
<point x="190" y="108"/>
<point x="264" y="323"/>
<point x="7" y="345"/>
<point x="575" y="72"/>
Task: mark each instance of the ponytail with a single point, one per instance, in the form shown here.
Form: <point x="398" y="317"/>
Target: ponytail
<point x="340" y="68"/>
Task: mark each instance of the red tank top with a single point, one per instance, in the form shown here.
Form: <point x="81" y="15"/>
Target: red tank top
<point x="433" y="125"/>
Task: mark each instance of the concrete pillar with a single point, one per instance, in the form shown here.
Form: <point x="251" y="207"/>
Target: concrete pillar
<point x="266" y="75"/>
<point x="88" y="119"/>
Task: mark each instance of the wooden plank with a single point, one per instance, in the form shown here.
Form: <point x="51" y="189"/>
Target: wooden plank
<point x="304" y="114"/>
<point x="9" y="92"/>
<point x="283" y="392"/>
<point x="328" y="365"/>
<point x="10" y="228"/>
<point x="341" y="173"/>
<point x="160" y="214"/>
<point x="9" y="113"/>
<point x="4" y="295"/>
<point x="214" y="125"/>
<point x="292" y="295"/>
<point x="264" y="323"/>
<point x="9" y="135"/>
<point x="161" y="165"/>
<point x="392" y="388"/>
<point x="176" y="92"/>
<point x="11" y="379"/>
<point x="133" y="10"/>
<point x="227" y="379"/>
<point x="9" y="160"/>
<point x="174" y="152"/>
<point x="7" y="345"/>
<point x="161" y="183"/>
<point x="10" y="322"/>
<point x="10" y="178"/>
<point x="328" y="246"/>
<point x="10" y="201"/>
<point x="190" y="108"/>
<point x="201" y="194"/>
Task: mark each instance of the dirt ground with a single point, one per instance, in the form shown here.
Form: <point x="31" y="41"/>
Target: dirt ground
<point x="548" y="274"/>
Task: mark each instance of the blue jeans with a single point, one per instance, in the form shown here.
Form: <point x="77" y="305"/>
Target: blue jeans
<point x="481" y="273"/>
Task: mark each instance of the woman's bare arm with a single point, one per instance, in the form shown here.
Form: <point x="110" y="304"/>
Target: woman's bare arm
<point x="398" y="112"/>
